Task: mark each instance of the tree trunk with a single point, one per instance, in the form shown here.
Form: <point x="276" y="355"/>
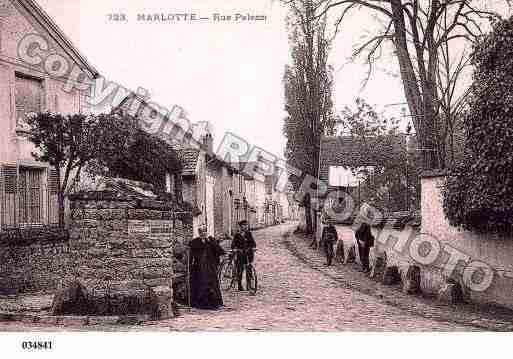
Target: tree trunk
<point x="60" y="198"/>
<point x="420" y="94"/>
<point x="308" y="214"/>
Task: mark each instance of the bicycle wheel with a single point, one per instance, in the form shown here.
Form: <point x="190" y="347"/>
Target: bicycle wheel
<point x="221" y="266"/>
<point x="227" y="275"/>
<point x="251" y="279"/>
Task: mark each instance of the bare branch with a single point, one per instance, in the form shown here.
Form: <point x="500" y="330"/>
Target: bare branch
<point x="367" y="4"/>
<point x="339" y="21"/>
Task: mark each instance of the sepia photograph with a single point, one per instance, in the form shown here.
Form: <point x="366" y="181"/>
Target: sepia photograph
<point x="268" y="175"/>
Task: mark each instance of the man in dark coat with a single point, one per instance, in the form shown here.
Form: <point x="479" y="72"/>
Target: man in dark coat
<point x="365" y="241"/>
<point x="328" y="238"/>
<point x="244" y="242"/>
<point x="205" y="253"/>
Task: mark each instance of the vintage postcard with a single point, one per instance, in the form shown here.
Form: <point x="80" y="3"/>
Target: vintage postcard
<point x="253" y="166"/>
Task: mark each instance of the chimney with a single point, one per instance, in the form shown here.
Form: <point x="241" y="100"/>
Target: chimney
<point x="208" y="143"/>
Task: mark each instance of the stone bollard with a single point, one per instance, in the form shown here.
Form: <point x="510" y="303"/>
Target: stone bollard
<point x="373" y="253"/>
<point x="378" y="265"/>
<point x="350" y="257"/>
<point x="391" y="276"/>
<point x="164" y="304"/>
<point x="412" y="280"/>
<point x="450" y="292"/>
<point x="71" y="298"/>
<point x="339" y="251"/>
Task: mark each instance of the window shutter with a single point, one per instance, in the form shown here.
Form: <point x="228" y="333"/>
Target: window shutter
<point x="10" y="179"/>
<point x="53" y="181"/>
<point x="29" y="96"/>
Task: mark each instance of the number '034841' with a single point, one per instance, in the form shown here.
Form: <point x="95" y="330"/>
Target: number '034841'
<point x="36" y="345"/>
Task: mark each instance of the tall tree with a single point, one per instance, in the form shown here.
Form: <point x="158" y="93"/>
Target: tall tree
<point x="308" y="84"/>
<point x="421" y="32"/>
<point x="102" y="145"/>
<point x="64" y="141"/>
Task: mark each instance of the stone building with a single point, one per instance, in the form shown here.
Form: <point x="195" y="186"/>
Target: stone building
<point x="269" y="204"/>
<point x="213" y="188"/>
<point x="29" y="83"/>
<point x="221" y="193"/>
<point x="344" y="162"/>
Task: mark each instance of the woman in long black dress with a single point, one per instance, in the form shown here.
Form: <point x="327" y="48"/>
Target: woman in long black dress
<point x="205" y="290"/>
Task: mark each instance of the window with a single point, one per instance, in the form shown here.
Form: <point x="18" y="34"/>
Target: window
<point x="340" y="176"/>
<point x="29" y="97"/>
<point x="268" y="185"/>
<point x="28" y="196"/>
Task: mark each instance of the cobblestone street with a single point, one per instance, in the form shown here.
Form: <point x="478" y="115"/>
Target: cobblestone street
<point x="299" y="294"/>
<point x="293" y="296"/>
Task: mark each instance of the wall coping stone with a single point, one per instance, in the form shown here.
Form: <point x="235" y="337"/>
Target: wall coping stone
<point x="131" y="201"/>
<point x="439" y="172"/>
<point x="100" y="196"/>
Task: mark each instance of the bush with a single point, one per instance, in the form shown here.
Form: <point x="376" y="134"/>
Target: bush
<point x="125" y="150"/>
<point x="479" y="191"/>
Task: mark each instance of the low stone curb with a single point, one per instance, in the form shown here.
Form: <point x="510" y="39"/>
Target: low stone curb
<point x="265" y="227"/>
<point x="433" y="313"/>
<point x="73" y="320"/>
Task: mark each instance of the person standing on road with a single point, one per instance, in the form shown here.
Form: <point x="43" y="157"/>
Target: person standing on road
<point x="205" y="253"/>
<point x="365" y="241"/>
<point x="245" y="243"/>
<point x="328" y="238"/>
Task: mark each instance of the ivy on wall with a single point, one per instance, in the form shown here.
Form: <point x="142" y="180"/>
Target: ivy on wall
<point x="478" y="194"/>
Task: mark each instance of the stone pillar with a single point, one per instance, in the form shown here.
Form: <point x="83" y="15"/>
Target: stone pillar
<point x="378" y="263"/>
<point x="350" y="256"/>
<point x="391" y="276"/>
<point x="412" y="280"/>
<point x="450" y="292"/>
<point x="121" y="252"/>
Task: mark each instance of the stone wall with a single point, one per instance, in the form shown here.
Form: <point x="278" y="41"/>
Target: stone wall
<point x="112" y="244"/>
<point x="32" y="268"/>
<point x="493" y="250"/>
<point x="119" y="250"/>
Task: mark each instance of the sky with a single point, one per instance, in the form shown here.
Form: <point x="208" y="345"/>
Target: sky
<point x="227" y="73"/>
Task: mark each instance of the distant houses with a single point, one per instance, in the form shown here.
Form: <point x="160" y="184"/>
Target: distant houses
<point x="220" y="193"/>
<point x="345" y="162"/>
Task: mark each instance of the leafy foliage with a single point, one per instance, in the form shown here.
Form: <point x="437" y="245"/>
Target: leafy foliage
<point x="393" y="184"/>
<point x="64" y="142"/>
<point x="125" y="150"/>
<point x="105" y="145"/>
<point x="479" y="191"/>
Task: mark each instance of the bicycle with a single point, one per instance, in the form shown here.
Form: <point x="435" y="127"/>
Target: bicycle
<point x="228" y="273"/>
